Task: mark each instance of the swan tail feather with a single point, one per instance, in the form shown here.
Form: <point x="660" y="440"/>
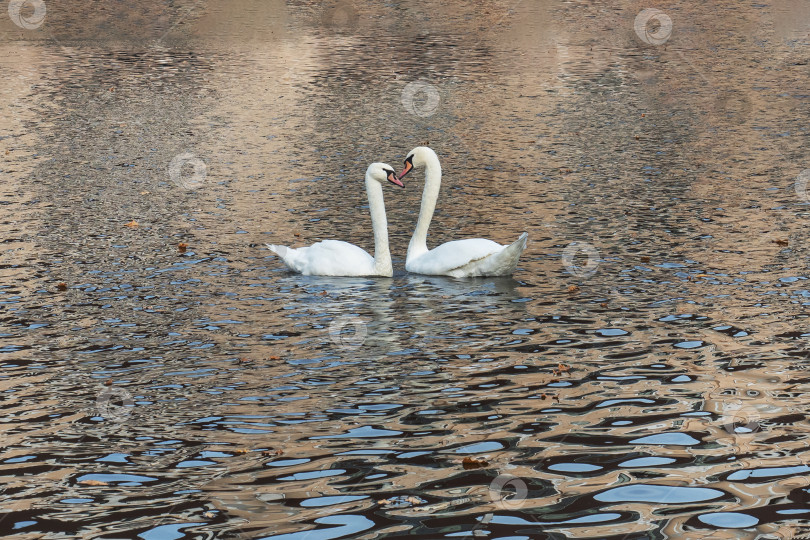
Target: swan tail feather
<point x="520" y="243"/>
<point x="511" y="254"/>
<point x="285" y="253"/>
<point x="281" y="251"/>
<point x="501" y="263"/>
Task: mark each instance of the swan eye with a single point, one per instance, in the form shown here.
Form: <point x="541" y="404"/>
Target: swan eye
<point x="409" y="159"/>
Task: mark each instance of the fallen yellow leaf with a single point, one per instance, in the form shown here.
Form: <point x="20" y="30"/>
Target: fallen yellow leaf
<point x="473" y="463"/>
<point x="93" y="482"/>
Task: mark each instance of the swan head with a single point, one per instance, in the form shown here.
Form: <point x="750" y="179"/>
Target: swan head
<point x="382" y="172"/>
<point x="418" y="157"/>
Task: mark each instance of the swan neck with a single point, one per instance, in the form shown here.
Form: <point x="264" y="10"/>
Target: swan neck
<point x="379" y="224"/>
<point x="433" y="182"/>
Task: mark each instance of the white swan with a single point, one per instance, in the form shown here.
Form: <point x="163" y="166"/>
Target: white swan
<point x="459" y="258"/>
<point x="336" y="258"/>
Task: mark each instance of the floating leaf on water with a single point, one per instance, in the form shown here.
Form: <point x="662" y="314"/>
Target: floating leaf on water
<point x="561" y="368"/>
<point x="93" y="482"/>
<point x="132" y="224"/>
<point x="474" y="463"/>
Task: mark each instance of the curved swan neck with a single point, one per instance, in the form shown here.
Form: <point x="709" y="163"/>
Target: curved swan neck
<point x="433" y="182"/>
<point x="379" y="224"/>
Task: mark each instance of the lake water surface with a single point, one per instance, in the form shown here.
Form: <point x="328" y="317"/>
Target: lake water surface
<point x="641" y="376"/>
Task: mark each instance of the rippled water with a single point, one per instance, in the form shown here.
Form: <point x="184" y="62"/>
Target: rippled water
<point x="642" y="376"/>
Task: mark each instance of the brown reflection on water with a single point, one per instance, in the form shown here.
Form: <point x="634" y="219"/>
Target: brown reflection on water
<point x="677" y="365"/>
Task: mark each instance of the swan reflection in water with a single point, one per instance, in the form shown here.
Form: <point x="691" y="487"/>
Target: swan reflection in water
<point x="409" y="314"/>
<point x="456" y="316"/>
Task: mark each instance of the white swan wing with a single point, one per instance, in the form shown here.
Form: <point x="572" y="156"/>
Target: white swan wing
<point x="447" y="257"/>
<point x="469" y="258"/>
<point x="327" y="258"/>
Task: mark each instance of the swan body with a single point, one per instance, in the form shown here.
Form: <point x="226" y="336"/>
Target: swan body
<point x="473" y="257"/>
<point x="460" y="258"/>
<point x="327" y="258"/>
<point x="338" y="258"/>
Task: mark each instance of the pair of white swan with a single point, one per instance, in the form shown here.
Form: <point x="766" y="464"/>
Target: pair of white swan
<point x="459" y="258"/>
